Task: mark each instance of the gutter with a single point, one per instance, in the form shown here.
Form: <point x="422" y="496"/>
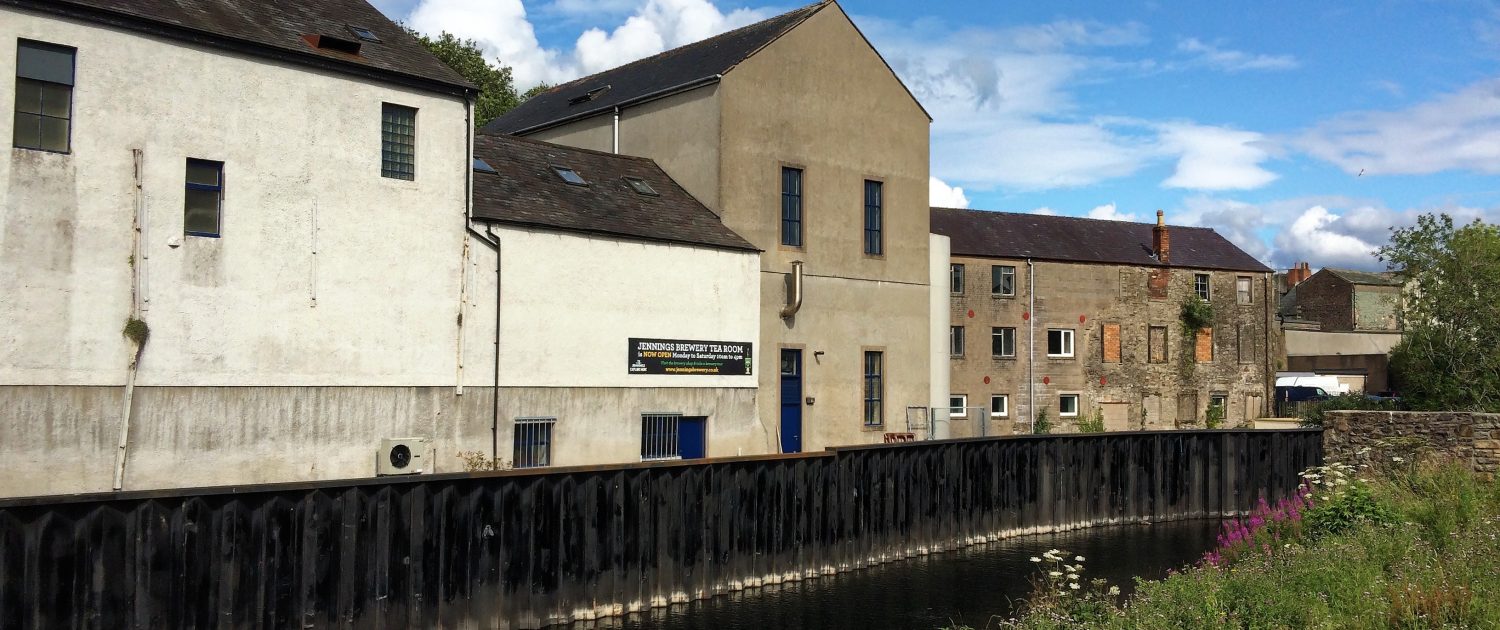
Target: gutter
<point x="631" y="102"/>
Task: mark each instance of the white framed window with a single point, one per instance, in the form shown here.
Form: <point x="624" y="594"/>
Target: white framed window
<point x="958" y="405"/>
<point x="1067" y="405"/>
<point x="1003" y="342"/>
<point x="1003" y="280"/>
<point x="398" y="141"/>
<point x="999" y="405"/>
<point x="1201" y="286"/>
<point x="1059" y="342"/>
<point x="532" y="442"/>
<point x="659" y="437"/>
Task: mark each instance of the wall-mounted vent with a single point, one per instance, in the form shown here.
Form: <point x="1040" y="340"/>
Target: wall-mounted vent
<point x="336" y="44"/>
<point x="589" y="95"/>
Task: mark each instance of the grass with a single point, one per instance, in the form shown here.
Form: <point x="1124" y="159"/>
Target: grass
<point x="1401" y="545"/>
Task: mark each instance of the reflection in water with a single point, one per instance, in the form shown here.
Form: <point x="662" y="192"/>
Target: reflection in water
<point x="968" y="586"/>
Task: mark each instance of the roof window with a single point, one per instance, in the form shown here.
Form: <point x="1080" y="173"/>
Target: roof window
<point x="589" y="95"/>
<point x="569" y="175"/>
<point x="484" y="167"/>
<point x="364" y="33"/>
<point x="641" y="186"/>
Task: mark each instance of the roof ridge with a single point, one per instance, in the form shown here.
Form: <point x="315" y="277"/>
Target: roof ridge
<point x="1072" y="218"/>
<point x="568" y="147"/>
<point x="810" y="9"/>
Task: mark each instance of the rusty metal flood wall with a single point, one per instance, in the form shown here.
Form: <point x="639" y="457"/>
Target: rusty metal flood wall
<point x="519" y="550"/>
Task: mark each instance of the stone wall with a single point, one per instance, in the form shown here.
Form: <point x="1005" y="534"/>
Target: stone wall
<point x="1469" y="437"/>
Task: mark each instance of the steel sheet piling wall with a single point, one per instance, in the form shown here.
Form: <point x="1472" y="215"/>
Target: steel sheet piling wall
<point x="520" y="549"/>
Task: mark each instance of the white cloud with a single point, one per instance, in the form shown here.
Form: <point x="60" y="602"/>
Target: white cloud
<point x="1111" y="213"/>
<point x="1317" y="236"/>
<point x="1215" y="158"/>
<point x="1457" y="131"/>
<point x="941" y="195"/>
<point x="1232" y="60"/>
<point x="505" y="32"/>
<point x="1045" y="211"/>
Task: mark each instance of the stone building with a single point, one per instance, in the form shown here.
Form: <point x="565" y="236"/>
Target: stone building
<point x="1341" y="323"/>
<point x="800" y="137"/>
<point x="1344" y="300"/>
<point x="1077" y="317"/>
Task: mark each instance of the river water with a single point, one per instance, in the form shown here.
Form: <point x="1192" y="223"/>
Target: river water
<point x="969" y="586"/>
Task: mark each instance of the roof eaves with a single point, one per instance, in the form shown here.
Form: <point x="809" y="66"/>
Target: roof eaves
<point x="686" y="86"/>
<point x="620" y="235"/>
<point x="178" y="32"/>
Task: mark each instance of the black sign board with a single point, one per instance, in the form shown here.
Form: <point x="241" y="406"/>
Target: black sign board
<point x="682" y="356"/>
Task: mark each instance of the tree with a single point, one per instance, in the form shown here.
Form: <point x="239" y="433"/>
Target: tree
<point x="1450" y="312"/>
<point x="497" y="89"/>
<point x="538" y="89"/>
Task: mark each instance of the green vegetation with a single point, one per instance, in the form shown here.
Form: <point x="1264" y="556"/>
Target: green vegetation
<point x="1197" y="314"/>
<point x="1042" y="425"/>
<point x="1214" y="418"/>
<point x="1091" y="422"/>
<point x="1390" y="544"/>
<point x="497" y="89"/>
<point x="1311" y="413"/>
<point x="1445" y="360"/>
<point x="137" y="331"/>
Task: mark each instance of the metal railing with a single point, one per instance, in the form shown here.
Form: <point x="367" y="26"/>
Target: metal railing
<point x="659" y="436"/>
<point x="533" y="442"/>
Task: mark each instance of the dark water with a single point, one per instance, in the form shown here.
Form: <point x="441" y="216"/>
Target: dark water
<point x="968" y="586"/>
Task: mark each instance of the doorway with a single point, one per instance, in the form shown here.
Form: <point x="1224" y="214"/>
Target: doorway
<point x="791" y="400"/>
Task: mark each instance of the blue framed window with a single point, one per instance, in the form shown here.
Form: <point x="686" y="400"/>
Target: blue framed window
<point x="791" y="206"/>
<point x="874" y="219"/>
<point x="203" y="201"/>
<point x="533" y="442"/>
<point x="44" y="97"/>
<point x="398" y="141"/>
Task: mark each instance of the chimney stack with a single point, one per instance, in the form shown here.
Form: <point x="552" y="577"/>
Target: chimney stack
<point x="1298" y="273"/>
<point x="1163" y="241"/>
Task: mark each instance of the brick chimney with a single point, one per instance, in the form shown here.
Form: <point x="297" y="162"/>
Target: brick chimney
<point x="1299" y="272"/>
<point x="1163" y="241"/>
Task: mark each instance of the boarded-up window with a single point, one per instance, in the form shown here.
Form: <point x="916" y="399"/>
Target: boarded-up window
<point x="1203" y="351"/>
<point x="1156" y="338"/>
<point x="1245" y="344"/>
<point x="1187" y="408"/>
<point x="1111" y="343"/>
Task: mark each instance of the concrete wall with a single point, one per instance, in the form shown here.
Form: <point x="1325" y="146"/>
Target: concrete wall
<point x="1132" y="393"/>
<point x="1364" y="436"/>
<point x="325" y="317"/>
<point x="819" y="98"/>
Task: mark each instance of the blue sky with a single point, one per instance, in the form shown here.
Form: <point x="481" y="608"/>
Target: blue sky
<point x="1301" y="130"/>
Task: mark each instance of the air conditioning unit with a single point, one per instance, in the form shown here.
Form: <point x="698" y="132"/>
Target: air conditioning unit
<point x="402" y="456"/>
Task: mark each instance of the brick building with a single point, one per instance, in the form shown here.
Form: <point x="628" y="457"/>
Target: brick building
<point x="1102" y="301"/>
<point x="1343" y="323"/>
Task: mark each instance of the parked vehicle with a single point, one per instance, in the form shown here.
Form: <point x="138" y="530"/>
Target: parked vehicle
<point x="1289" y="398"/>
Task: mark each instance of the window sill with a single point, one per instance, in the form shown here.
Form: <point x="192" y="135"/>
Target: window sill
<point x="671" y="458"/>
<point x="999" y="296"/>
<point x="874" y="428"/>
<point x="1003" y="358"/>
<point x="1061" y="357"/>
<point x="201" y="234"/>
<point x="43" y="150"/>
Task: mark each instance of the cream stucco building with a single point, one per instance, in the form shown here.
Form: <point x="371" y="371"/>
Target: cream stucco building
<point x="796" y="132"/>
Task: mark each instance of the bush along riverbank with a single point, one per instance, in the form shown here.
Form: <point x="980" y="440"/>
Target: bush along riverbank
<point x="1390" y="544"/>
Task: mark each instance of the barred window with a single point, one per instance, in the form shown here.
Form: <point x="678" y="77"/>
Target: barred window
<point x="874" y="389"/>
<point x="398" y="142"/>
<point x="659" y="437"/>
<point x="533" y="442"/>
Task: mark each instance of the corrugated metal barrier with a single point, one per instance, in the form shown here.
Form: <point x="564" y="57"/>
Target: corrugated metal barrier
<point x="519" y="549"/>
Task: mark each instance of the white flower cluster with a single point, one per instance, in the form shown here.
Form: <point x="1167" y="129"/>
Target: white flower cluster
<point x="1064" y="571"/>
<point x="1329" y="481"/>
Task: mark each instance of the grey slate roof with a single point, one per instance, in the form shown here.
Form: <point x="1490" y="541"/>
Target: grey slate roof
<point x="526" y="191"/>
<point x="1383" y="279"/>
<point x="274" y="28"/>
<point x="1015" y="235"/>
<point x="698" y="63"/>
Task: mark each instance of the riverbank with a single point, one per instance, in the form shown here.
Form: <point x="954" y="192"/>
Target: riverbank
<point x="1377" y="545"/>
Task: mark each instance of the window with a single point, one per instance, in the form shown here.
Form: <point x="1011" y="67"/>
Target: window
<point x="364" y="34"/>
<point x="570" y="176"/>
<point x="956" y="341"/>
<point x="203" y="199"/>
<point x="1218" y="400"/>
<point x="1156" y="340"/>
<point x="1244" y="344"/>
<point x="398" y="142"/>
<point x="874" y="219"/>
<point x="791" y="206"/>
<point x="1059" y="343"/>
<point x="999" y="406"/>
<point x="874" y="367"/>
<point x="44" y="96"/>
<point x="1200" y="285"/>
<point x="641" y="186"/>
<point x="1003" y="281"/>
<point x="533" y="442"/>
<point x="659" y="436"/>
<point x="1111" y="339"/>
<point x="1003" y="342"/>
<point x="956" y="279"/>
<point x="1067" y="405"/>
<point x="1242" y="289"/>
<point x="958" y="405"/>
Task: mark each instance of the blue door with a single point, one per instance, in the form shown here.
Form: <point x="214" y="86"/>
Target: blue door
<point x="791" y="401"/>
<point x="692" y="440"/>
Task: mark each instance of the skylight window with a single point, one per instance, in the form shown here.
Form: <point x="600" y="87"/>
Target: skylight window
<point x="364" y="33"/>
<point x="484" y="167"/>
<point x="641" y="186"/>
<point x="569" y="175"/>
<point x="589" y="95"/>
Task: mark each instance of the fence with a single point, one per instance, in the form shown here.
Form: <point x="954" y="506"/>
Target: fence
<point x="524" y="548"/>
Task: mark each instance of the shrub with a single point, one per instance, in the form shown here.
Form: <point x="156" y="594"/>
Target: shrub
<point x="1091" y="422"/>
<point x="137" y="331"/>
<point x="476" y="461"/>
<point x="1197" y="314"/>
<point x="1215" y="417"/>
<point x="1042" y="425"/>
<point x="1311" y="414"/>
<point x="1341" y="502"/>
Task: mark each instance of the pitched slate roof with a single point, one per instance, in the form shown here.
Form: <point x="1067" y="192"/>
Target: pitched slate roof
<point x="274" y="28"/>
<point x="681" y="68"/>
<point x="1383" y="279"/>
<point x="525" y="190"/>
<point x="1016" y="235"/>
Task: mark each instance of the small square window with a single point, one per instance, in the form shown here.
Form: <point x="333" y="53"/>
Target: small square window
<point x="1201" y="286"/>
<point x="958" y="405"/>
<point x="533" y="442"/>
<point x="1059" y="342"/>
<point x="203" y="198"/>
<point x="659" y="436"/>
<point x="1067" y="405"/>
<point x="1003" y="281"/>
<point x="398" y="142"/>
<point x="569" y="175"/>
<point x="639" y="185"/>
<point x="1003" y="342"/>
<point x="999" y="406"/>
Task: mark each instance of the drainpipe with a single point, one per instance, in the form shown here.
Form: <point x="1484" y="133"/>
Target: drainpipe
<point x="795" y="303"/>
<point x="463" y="267"/>
<point x="1270" y="378"/>
<point x="488" y="236"/>
<point x="137" y="306"/>
<point x="614" y="145"/>
<point x="1031" y="343"/>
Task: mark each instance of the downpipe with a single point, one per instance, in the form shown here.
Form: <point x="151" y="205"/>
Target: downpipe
<point x="1031" y="344"/>
<point x="794" y="304"/>
<point x="137" y="260"/>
